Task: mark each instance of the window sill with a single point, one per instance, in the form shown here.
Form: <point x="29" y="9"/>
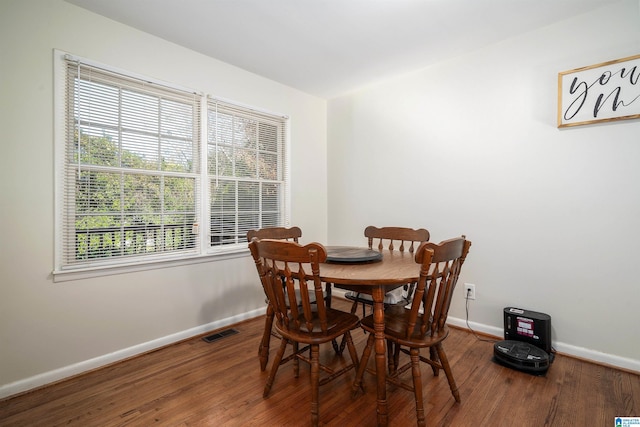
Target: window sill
<point x="92" y="272"/>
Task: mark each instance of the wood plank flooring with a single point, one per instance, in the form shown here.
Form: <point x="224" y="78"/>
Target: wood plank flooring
<point x="194" y="383"/>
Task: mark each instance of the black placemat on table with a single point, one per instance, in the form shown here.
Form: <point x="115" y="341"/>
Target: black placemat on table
<point x="351" y="254"/>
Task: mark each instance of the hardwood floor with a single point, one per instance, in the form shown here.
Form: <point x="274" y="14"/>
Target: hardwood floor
<point x="194" y="383"/>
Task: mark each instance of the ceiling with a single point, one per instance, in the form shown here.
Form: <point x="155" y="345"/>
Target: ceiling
<point x="331" y="47"/>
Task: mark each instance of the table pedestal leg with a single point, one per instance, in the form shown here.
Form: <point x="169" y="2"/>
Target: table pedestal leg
<point x="381" y="353"/>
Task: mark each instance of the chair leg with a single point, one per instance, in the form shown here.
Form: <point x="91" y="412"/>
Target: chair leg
<point x="327" y="289"/>
<point x="354" y="307"/>
<point x="296" y="361"/>
<point x="393" y="356"/>
<point x="447" y="370"/>
<point x="390" y="357"/>
<point x="274" y="367"/>
<point x="357" y="383"/>
<point x="338" y="348"/>
<point x="434" y="357"/>
<point x="352" y="350"/>
<point x="396" y="356"/>
<point x="417" y="386"/>
<point x="263" y="351"/>
<point x="315" y="383"/>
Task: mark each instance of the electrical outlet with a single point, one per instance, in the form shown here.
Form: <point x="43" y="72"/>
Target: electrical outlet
<point x="469" y="291"/>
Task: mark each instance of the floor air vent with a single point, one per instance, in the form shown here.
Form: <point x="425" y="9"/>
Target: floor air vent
<point x="219" y="335"/>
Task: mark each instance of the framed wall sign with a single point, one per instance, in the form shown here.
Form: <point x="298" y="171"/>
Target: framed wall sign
<point x="599" y="93"/>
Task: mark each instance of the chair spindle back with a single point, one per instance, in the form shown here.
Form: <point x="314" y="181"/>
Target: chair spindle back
<point x="285" y="267"/>
<point x="385" y="237"/>
<point x="441" y="265"/>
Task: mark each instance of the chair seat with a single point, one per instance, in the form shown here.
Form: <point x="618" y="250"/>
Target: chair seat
<point x="338" y="322"/>
<point x="395" y="328"/>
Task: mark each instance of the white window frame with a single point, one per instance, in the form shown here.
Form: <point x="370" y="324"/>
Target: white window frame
<point x="204" y="251"/>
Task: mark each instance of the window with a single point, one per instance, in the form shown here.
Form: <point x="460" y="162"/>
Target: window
<point x="139" y="184"/>
<point x="246" y="173"/>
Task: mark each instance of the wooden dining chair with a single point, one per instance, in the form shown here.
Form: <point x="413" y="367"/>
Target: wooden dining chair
<point x="298" y="319"/>
<point x="423" y="325"/>
<point x="392" y="238"/>
<point x="282" y="233"/>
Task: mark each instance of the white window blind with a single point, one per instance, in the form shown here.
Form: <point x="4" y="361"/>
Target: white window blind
<point x="247" y="171"/>
<point x="132" y="168"/>
<point x="138" y="185"/>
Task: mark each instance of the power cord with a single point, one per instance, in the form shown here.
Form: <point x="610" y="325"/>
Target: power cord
<point x="467" y="321"/>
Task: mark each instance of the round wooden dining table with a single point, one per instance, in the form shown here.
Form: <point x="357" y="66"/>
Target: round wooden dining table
<point x="375" y="278"/>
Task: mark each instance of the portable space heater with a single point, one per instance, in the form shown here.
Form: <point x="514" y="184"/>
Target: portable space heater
<point x="527" y="344"/>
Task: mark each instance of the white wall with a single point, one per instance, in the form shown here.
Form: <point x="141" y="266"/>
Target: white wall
<point x="50" y="330"/>
<point x="471" y="147"/>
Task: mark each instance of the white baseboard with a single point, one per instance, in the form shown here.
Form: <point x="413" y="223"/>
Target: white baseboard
<point x="564" y="348"/>
<point x="560" y="347"/>
<point x="88" y="365"/>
